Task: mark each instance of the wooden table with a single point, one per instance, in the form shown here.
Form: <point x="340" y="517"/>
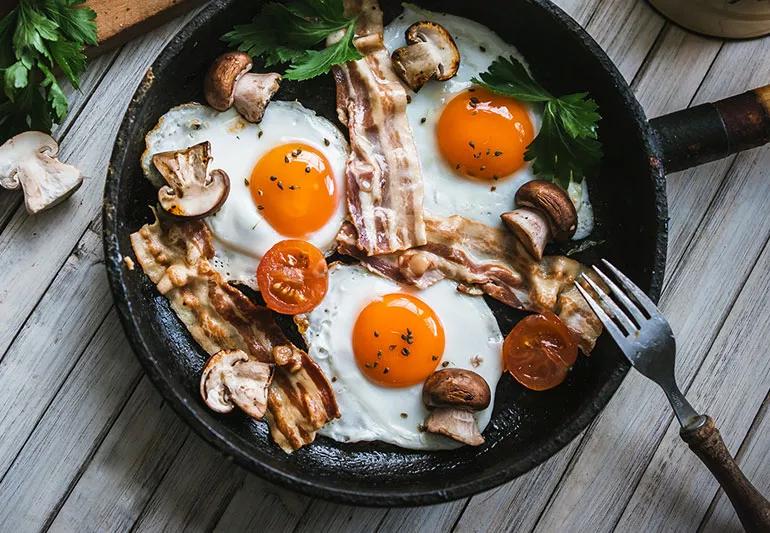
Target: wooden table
<point x="88" y="444"/>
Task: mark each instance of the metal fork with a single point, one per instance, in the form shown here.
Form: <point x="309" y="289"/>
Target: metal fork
<point x="645" y="338"/>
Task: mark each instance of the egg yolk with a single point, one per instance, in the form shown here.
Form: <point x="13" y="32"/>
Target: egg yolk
<point x="293" y="188"/>
<point x="398" y="340"/>
<point x="484" y="135"/>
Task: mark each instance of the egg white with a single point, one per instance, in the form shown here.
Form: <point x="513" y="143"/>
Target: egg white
<point x="447" y="193"/>
<point x="241" y="233"/>
<point x="372" y="412"/>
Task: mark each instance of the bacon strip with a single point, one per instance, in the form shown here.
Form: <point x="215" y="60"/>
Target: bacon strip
<point x="491" y="261"/>
<point x="175" y="256"/>
<point x="383" y="175"/>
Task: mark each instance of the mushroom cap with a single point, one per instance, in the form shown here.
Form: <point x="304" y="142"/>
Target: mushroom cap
<point x="531" y="227"/>
<point x="431" y="32"/>
<point x="230" y="378"/>
<point x="554" y="202"/>
<point x="458" y="388"/>
<point x="191" y="191"/>
<point x="28" y="161"/>
<point x="430" y="54"/>
<point x="220" y="80"/>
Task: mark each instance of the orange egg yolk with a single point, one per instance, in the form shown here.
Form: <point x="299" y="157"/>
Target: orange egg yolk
<point x="398" y="340"/>
<point x="484" y="135"/>
<point x="294" y="189"/>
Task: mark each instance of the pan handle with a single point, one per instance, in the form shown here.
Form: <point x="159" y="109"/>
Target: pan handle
<point x="715" y="130"/>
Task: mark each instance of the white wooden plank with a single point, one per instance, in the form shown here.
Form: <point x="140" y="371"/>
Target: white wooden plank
<point x="32" y="249"/>
<point x="730" y="386"/>
<point x="326" y="516"/>
<point x="676" y="68"/>
<point x="194" y="492"/>
<point x="11" y="200"/>
<point x="127" y="467"/>
<point x="434" y="518"/>
<point x="262" y="506"/>
<point x="50" y="344"/>
<point x="626" y="30"/>
<point x="505" y="506"/>
<point x="753" y="461"/>
<point x="69" y="431"/>
<point x="625" y="437"/>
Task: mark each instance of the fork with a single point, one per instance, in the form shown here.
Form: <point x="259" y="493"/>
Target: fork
<point x="645" y="338"/>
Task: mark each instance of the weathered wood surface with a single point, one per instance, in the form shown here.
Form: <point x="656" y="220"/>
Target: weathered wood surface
<point x="89" y="445"/>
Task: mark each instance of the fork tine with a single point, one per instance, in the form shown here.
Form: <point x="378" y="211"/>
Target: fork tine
<point x="612" y="306"/>
<point x="638" y="294"/>
<point x="620" y="295"/>
<point x="606" y="320"/>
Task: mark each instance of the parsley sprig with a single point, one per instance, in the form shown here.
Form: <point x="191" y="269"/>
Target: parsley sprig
<point x="567" y="147"/>
<point x="290" y="32"/>
<point x="36" y="38"/>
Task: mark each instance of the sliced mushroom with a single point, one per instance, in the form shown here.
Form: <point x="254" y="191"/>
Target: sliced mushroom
<point x="28" y="161"/>
<point x="230" y="82"/>
<point x="544" y="212"/>
<point x="192" y="191"/>
<point x="454" y="394"/>
<point x="431" y="53"/>
<point x="231" y="379"/>
<point x="531" y="228"/>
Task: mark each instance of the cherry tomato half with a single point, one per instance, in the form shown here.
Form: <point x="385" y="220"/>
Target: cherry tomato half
<point x="293" y="277"/>
<point x="539" y="351"/>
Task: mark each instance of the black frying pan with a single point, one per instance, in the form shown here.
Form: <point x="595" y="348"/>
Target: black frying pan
<point x="527" y="427"/>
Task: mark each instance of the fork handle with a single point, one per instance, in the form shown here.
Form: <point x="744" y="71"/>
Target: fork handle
<point x="752" y="508"/>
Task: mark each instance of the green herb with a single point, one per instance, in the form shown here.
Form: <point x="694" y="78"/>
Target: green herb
<point x="567" y="147"/>
<point x="37" y="37"/>
<point x="288" y="33"/>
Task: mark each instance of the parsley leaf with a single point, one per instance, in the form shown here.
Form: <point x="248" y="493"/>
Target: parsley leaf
<point x="289" y="33"/>
<point x="567" y="147"/>
<point x="314" y="63"/>
<point x="36" y="38"/>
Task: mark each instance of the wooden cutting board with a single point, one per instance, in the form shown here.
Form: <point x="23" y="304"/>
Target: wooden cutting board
<point x="118" y="21"/>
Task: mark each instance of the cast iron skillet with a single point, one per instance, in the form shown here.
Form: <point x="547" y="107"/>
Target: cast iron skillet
<point x="527" y="427"/>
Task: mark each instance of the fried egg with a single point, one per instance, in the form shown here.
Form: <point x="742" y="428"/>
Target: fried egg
<point x="472" y="142"/>
<point x="286" y="178"/>
<point x="378" y="341"/>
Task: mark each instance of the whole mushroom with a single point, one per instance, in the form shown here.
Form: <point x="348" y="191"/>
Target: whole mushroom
<point x="191" y="191"/>
<point x="545" y="212"/>
<point x="230" y="82"/>
<point x="28" y="161"/>
<point x="454" y="394"/>
<point x="431" y="53"/>
<point x="230" y="378"/>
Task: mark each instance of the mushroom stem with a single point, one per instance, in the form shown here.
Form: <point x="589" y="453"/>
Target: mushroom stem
<point x="253" y="93"/>
<point x="455" y="423"/>
<point x="229" y="82"/>
<point x="531" y="228"/>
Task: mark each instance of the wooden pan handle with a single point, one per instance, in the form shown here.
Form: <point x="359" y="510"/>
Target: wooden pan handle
<point x="752" y="508"/>
<point x="715" y="130"/>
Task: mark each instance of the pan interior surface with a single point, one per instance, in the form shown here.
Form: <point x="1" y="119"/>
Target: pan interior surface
<point x="527" y="427"/>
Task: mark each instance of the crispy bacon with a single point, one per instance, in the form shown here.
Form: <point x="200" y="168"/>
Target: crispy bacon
<point x="383" y="175"/>
<point x="175" y="256"/>
<point x="491" y="261"/>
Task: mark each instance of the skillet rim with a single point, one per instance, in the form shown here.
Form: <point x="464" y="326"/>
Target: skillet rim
<point x="174" y="393"/>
